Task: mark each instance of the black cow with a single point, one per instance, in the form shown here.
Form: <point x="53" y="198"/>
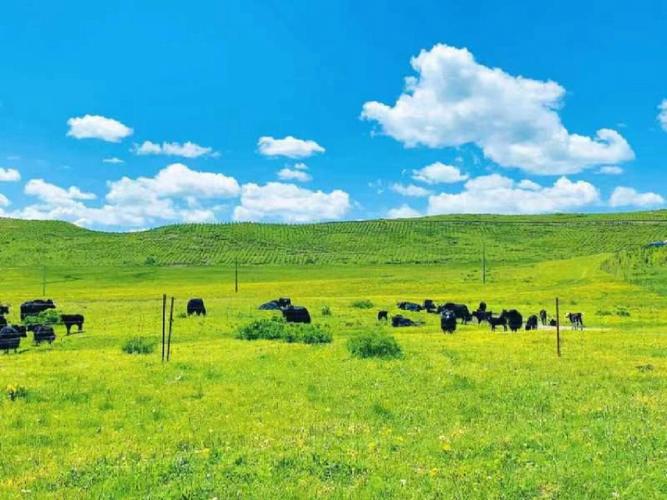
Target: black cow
<point x="274" y="305"/>
<point x="70" y="320"/>
<point x="461" y="311"/>
<point x="3" y="321"/>
<point x="553" y="322"/>
<point x="495" y="321"/>
<point x="383" y="315"/>
<point x="296" y="314"/>
<point x="482" y="306"/>
<point x="4" y="309"/>
<point x="399" y="321"/>
<point x="514" y="319"/>
<point x="196" y="306"/>
<point x="21" y="329"/>
<point x="543" y="317"/>
<point x="44" y="333"/>
<point x="577" y="320"/>
<point x="531" y="322"/>
<point x="482" y="315"/>
<point x="34" y="307"/>
<point x="10" y="339"/>
<point x="430" y="306"/>
<point x="448" y="321"/>
<point x="410" y="306"/>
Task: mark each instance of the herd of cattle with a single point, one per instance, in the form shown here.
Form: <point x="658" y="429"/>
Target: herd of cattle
<point x="11" y="334"/>
<point x="451" y="313"/>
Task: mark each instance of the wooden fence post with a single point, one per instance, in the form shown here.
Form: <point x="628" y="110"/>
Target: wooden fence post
<point x="557" y="328"/>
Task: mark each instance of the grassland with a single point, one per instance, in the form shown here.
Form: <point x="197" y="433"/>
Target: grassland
<point x="469" y="415"/>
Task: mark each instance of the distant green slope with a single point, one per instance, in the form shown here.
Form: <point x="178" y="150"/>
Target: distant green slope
<point x="450" y="239"/>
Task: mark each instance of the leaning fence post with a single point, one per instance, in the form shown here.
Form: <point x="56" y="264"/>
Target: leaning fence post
<point x="557" y="328"/>
<point x="164" y="312"/>
<point x="171" y="322"/>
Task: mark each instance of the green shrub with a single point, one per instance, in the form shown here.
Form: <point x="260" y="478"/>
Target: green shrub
<point x="326" y="311"/>
<point x="277" y="329"/>
<point x="15" y="392"/>
<point x="362" y="304"/>
<point x="48" y="317"/>
<point x="374" y="345"/>
<point x="139" y="345"/>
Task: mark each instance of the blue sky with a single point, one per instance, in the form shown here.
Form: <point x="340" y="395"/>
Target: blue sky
<point x="301" y="111"/>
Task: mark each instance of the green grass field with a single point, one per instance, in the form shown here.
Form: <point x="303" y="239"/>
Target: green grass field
<point x="468" y="415"/>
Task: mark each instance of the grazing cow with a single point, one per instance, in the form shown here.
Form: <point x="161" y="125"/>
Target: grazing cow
<point x="34" y="307"/>
<point x="4" y="309"/>
<point x="3" y="321"/>
<point x="410" y="306"/>
<point x="514" y="319"/>
<point x="44" y="333"/>
<point x="70" y="320"/>
<point x="430" y="306"/>
<point x="383" y="315"/>
<point x="21" y="329"/>
<point x="274" y="305"/>
<point x="296" y="314"/>
<point x="531" y="322"/>
<point x="196" y="306"/>
<point x="482" y="315"/>
<point x="543" y="317"/>
<point x="553" y="322"/>
<point x="482" y="306"/>
<point x="10" y="339"/>
<point x="448" y="321"/>
<point x="461" y="311"/>
<point x="497" y="321"/>
<point x="399" y="321"/>
<point x="577" y="320"/>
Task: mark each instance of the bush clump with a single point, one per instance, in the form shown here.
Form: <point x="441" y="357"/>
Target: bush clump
<point x="374" y="345"/>
<point x="139" y="345"/>
<point x="277" y="329"/>
<point x="363" y="304"/>
<point x="15" y="392"/>
<point x="47" y="317"/>
<point x="326" y="311"/>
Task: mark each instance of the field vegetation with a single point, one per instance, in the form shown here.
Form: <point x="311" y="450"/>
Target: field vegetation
<point x="469" y="415"/>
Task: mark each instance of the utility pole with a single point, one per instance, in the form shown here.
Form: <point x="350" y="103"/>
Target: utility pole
<point x="483" y="263"/>
<point x="236" y="275"/>
<point x="557" y="328"/>
<point x="44" y="281"/>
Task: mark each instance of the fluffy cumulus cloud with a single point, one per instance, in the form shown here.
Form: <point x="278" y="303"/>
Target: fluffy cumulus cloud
<point x="410" y="190"/>
<point x="297" y="172"/>
<point x="97" y="127"/>
<point x="9" y="175"/>
<point x="629" y="197"/>
<point x="176" y="193"/>
<point x="439" y="173"/>
<point x="662" y="114"/>
<point x="290" y="147"/>
<point x="4" y="202"/>
<point x="499" y="194"/>
<point x="186" y="150"/>
<point x="403" y="212"/>
<point x="454" y="100"/>
<point x="282" y="202"/>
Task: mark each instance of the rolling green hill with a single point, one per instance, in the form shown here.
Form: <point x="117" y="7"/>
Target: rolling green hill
<point x="451" y="239"/>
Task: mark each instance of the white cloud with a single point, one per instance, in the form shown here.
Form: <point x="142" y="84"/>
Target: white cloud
<point x="437" y="172"/>
<point x="403" y="212"/>
<point x="9" y="175"/>
<point x="610" y="170"/>
<point x="454" y="100"/>
<point x="290" y="203"/>
<point x="97" y="127"/>
<point x="662" y="115"/>
<point x="289" y="146"/>
<point x="410" y="190"/>
<point x="113" y="160"/>
<point x="289" y="174"/>
<point x="186" y="150"/>
<point x="4" y="201"/>
<point x="498" y="194"/>
<point x="300" y="166"/>
<point x="625" y="196"/>
<point x="173" y="195"/>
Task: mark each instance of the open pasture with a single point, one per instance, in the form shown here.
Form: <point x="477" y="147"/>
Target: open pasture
<point x="469" y="415"/>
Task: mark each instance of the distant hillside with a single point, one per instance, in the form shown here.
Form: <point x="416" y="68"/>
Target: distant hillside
<point x="442" y="240"/>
